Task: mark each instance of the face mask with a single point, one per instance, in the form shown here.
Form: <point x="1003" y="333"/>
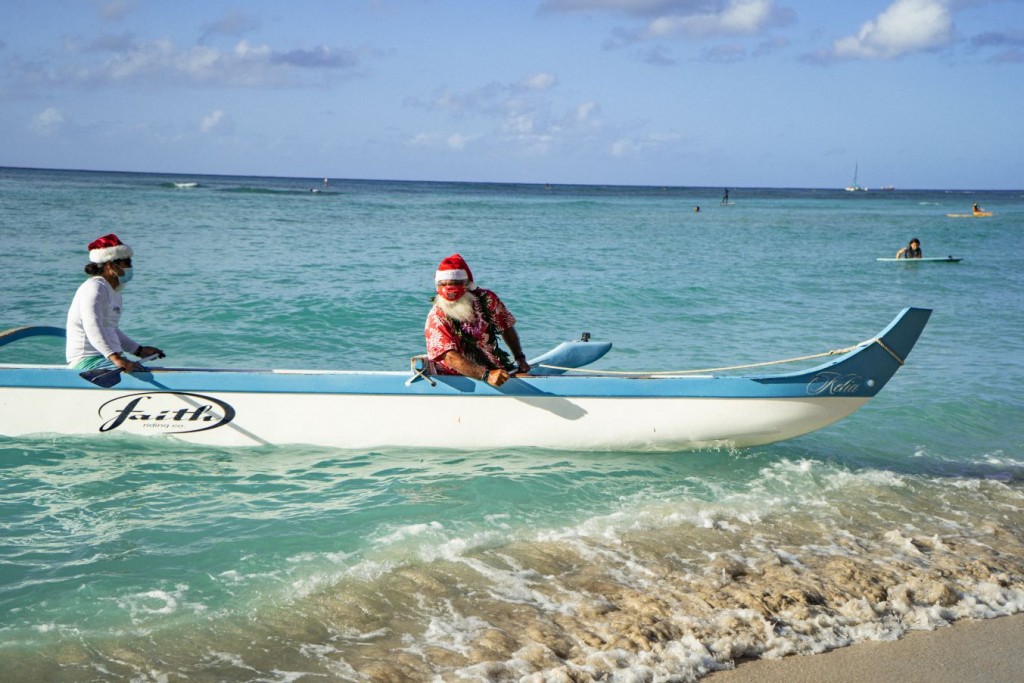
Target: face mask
<point x="126" y="277"/>
<point x="452" y="292"/>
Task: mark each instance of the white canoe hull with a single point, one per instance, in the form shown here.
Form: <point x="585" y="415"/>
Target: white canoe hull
<point x="457" y="422"/>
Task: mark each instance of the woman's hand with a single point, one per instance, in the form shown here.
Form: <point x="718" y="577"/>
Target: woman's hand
<point x="123" y="363"/>
<point x="144" y="351"/>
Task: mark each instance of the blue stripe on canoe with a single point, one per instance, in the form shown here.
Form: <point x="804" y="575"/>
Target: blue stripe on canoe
<point x="859" y="373"/>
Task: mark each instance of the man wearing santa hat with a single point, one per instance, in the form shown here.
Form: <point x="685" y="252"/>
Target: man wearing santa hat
<point x="463" y="326"/>
<point x="94" y="339"/>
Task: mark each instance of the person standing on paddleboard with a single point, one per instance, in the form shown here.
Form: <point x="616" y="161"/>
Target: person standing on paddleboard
<point x="463" y="326"/>
<point x="94" y="339"/>
<point x="912" y="250"/>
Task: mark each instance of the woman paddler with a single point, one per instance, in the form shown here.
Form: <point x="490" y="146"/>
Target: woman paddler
<point x="94" y="339"/>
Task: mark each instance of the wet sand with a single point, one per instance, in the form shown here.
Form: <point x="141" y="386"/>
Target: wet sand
<point x="970" y="651"/>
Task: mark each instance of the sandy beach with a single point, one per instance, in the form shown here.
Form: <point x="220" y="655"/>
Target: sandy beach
<point x="969" y="651"/>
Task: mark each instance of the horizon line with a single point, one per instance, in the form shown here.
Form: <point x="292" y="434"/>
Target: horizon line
<point x="885" y="189"/>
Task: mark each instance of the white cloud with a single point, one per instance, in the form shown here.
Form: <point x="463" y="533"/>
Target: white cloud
<point x="519" y="116"/>
<point x="493" y="98"/>
<point x="738" y="17"/>
<point x="126" y="61"/>
<point x="625" y="147"/>
<point x="630" y="6"/>
<point x="633" y="147"/>
<point x="520" y="124"/>
<point x="232" y="23"/>
<point x="459" y="141"/>
<point x="539" y="81"/>
<point x="47" y="122"/>
<point x="423" y="140"/>
<point x="585" y="112"/>
<point x="116" y="10"/>
<point x="434" y="140"/>
<point x="218" y="123"/>
<point x="694" y="18"/>
<point x="905" y="27"/>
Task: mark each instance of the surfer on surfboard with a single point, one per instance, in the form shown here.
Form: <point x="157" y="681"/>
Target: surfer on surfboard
<point x="912" y="250"/>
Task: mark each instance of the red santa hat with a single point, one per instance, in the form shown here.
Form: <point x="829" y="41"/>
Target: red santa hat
<point x="108" y="248"/>
<point x="453" y="268"/>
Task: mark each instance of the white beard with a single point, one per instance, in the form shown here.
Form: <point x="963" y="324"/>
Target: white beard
<point x="461" y="309"/>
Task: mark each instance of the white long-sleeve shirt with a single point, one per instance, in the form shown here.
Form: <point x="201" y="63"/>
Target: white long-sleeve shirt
<point x="92" y="328"/>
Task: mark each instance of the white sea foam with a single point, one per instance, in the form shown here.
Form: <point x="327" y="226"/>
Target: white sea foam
<point x="145" y="606"/>
<point x="229" y="658"/>
<point x="453" y="632"/>
<point x="513" y="584"/>
<point x="411" y="531"/>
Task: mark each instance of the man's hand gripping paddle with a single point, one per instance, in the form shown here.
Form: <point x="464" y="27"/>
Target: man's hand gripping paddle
<point x="102" y="377"/>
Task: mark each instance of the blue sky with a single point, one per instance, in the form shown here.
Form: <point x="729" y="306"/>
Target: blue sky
<point x="769" y="93"/>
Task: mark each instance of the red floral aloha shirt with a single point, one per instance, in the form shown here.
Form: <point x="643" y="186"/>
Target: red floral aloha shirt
<point x="442" y="335"/>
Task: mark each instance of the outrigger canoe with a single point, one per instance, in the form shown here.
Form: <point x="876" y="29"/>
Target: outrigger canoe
<point x="370" y="409"/>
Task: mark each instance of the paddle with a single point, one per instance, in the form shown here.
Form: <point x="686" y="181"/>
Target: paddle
<point x="106" y="378"/>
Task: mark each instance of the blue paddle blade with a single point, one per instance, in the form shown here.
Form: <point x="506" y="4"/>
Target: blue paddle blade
<point x="106" y="378"/>
<point x="102" y="377"/>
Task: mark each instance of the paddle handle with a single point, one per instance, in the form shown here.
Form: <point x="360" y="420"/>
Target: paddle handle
<point x="152" y="356"/>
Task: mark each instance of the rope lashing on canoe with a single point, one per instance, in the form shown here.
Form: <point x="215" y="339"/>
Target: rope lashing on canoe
<point x="890" y="352"/>
<point x="13" y="331"/>
<point x="834" y="352"/>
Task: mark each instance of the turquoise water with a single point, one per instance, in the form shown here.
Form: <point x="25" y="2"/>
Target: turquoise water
<point x="157" y="560"/>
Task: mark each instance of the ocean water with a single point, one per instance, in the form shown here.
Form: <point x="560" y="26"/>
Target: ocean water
<point x="155" y="560"/>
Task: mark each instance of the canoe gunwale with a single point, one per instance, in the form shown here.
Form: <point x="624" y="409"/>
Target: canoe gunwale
<point x="874" y="362"/>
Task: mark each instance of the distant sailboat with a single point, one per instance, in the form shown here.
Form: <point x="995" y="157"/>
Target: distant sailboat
<point x="855" y="187"/>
